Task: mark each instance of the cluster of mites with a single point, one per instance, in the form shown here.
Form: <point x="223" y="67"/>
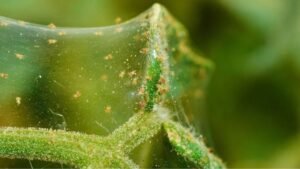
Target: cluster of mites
<point x="52" y="26"/>
<point x="161" y="86"/>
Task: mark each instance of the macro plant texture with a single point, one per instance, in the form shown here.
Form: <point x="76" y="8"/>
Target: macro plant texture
<point x="121" y="96"/>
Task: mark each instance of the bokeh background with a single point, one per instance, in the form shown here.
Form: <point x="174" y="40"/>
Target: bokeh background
<point x="253" y="99"/>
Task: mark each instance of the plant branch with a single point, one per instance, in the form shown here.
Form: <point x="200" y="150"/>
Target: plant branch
<point x="137" y="130"/>
<point x="191" y="148"/>
<point x="70" y="148"/>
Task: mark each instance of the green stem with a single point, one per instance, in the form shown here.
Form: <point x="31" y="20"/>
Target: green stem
<point x="77" y="149"/>
<point x="70" y="148"/>
<point x="191" y="148"/>
<point x="137" y="130"/>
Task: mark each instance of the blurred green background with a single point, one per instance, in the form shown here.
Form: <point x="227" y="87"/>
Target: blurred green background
<point x="253" y="110"/>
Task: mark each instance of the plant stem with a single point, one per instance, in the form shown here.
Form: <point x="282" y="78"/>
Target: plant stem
<point x="137" y="130"/>
<point x="70" y="148"/>
<point x="191" y="148"/>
